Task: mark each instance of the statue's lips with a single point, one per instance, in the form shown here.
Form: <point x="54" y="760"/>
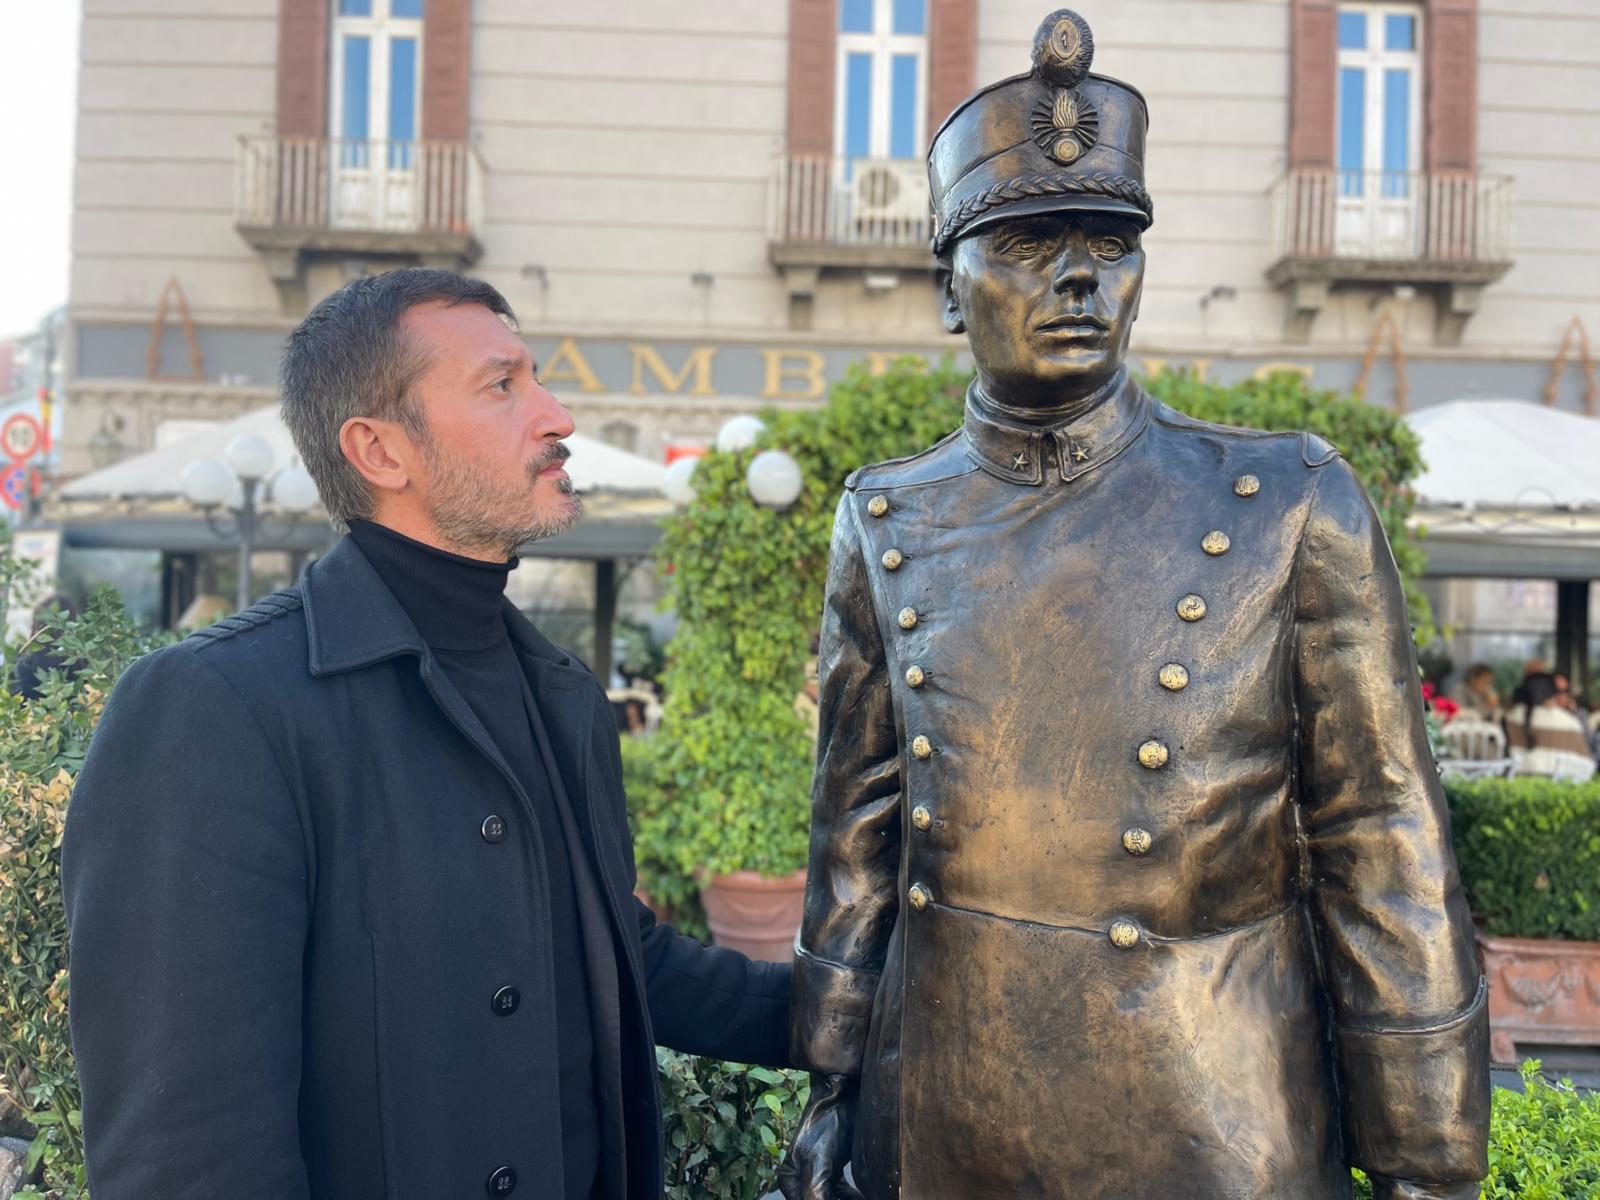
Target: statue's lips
<point x="1082" y="325"/>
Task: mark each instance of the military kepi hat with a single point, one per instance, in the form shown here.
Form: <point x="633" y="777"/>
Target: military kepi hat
<point x="1059" y="138"/>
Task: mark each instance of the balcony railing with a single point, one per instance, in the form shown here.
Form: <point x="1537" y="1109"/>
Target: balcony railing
<point x="1445" y="219"/>
<point x="839" y="211"/>
<point x="360" y="187"/>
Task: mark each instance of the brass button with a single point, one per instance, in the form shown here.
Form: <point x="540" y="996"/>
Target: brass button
<point x="1123" y="934"/>
<point x="1174" y="677"/>
<point x="921" y="817"/>
<point x="1153" y="754"/>
<point x="878" y="505"/>
<point x="915" y="676"/>
<point x="921" y="897"/>
<point x="1190" y="608"/>
<point x="1136" y="840"/>
<point x="908" y="618"/>
<point x="1246" y="486"/>
<point x="892" y="559"/>
<point x="1215" y="543"/>
<point x="921" y="747"/>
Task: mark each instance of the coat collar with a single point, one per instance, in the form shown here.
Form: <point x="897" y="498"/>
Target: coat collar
<point x="1020" y="453"/>
<point x="353" y="620"/>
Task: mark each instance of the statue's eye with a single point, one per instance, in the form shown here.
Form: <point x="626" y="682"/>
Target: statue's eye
<point x="1024" y="247"/>
<point x="1110" y="248"/>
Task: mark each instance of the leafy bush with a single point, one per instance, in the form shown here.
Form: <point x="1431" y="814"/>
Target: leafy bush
<point x="42" y="744"/>
<point x="1529" y="853"/>
<point x="1380" y="447"/>
<point x="655" y="824"/>
<point x="735" y="759"/>
<point x="726" y="1125"/>
<point x="1544" y="1143"/>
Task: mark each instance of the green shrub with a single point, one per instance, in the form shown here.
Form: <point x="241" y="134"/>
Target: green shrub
<point x="656" y="827"/>
<point x="1529" y="853"/>
<point x="42" y="744"/>
<point x="726" y="1125"/>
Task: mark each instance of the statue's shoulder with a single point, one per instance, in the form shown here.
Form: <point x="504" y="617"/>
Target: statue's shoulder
<point x="1291" y="449"/>
<point x="945" y="459"/>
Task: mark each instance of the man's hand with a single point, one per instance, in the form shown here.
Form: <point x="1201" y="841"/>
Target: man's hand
<point x="814" y="1166"/>
<point x="1402" y="1189"/>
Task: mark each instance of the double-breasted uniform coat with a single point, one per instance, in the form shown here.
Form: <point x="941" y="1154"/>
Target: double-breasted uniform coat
<point x="1130" y="869"/>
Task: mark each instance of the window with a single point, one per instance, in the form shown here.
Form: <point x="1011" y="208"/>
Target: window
<point x="1380" y="89"/>
<point x="377" y="82"/>
<point x="882" y="79"/>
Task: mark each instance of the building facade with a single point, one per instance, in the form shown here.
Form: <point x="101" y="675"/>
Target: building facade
<point x="701" y="207"/>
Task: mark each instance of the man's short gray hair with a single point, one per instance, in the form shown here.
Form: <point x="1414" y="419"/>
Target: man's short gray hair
<point x="349" y="358"/>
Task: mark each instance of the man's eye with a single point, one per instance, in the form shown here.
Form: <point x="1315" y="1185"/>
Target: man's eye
<point x="504" y="385"/>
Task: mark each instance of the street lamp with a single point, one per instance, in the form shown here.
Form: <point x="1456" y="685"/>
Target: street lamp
<point x="244" y="474"/>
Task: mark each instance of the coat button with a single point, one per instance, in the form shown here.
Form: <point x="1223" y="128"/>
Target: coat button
<point x="908" y="618"/>
<point x="1124" y="935"/>
<point x="921" y="817"/>
<point x="1246" y="486"/>
<point x="877" y="506"/>
<point x="1215" y="543"/>
<point x="1137" y="841"/>
<point x="502" y="1182"/>
<point x="506" y="1001"/>
<point x="915" y="676"/>
<point x="921" y="747"/>
<point x="494" y="829"/>
<point x="1153" y="754"/>
<point x="919" y="896"/>
<point x="1174" y="677"/>
<point x="1192" y="607"/>
<point x="892" y="559"/>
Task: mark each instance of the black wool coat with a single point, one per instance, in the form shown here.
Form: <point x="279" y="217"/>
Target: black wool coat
<point x="292" y="904"/>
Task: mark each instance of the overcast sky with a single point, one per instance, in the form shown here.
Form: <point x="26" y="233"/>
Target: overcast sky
<point x="38" y="83"/>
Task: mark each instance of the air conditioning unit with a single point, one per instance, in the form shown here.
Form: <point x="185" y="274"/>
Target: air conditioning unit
<point x="888" y="192"/>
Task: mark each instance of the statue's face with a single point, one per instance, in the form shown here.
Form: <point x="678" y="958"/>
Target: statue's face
<point x="1047" y="302"/>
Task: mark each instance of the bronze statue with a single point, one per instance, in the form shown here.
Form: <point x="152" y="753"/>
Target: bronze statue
<point x="1130" y="870"/>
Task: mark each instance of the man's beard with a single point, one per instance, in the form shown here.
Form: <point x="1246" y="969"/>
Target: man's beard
<point x="482" y="515"/>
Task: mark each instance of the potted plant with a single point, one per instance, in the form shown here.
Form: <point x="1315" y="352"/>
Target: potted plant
<point x="1529" y="853"/>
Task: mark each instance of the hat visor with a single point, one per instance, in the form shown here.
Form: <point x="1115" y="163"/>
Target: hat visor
<point x="1108" y="206"/>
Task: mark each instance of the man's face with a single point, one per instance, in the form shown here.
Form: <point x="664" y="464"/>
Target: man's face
<point x="1048" y="303"/>
<point x="491" y="472"/>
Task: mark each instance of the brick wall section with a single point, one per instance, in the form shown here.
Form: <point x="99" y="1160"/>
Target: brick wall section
<point x="1450" y="83"/>
<point x="303" y="33"/>
<point x="952" y="57"/>
<point x="446" y="69"/>
<point x="812" y="49"/>
<point x="1313" y="72"/>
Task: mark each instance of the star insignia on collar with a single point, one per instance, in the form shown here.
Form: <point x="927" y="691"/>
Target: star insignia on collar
<point x="1019" y="461"/>
<point x="1080" y="452"/>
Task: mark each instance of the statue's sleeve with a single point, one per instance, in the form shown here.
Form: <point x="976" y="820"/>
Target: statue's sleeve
<point x="851" y="901"/>
<point x="1393" y="931"/>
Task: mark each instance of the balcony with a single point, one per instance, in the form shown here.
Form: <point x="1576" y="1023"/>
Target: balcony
<point x="1446" y="231"/>
<point x="400" y="203"/>
<point x="829" y="212"/>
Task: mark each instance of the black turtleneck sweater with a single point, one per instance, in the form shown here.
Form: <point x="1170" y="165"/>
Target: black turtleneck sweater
<point x="457" y="605"/>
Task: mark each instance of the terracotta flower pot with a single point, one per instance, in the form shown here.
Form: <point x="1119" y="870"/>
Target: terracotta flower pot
<point x="1540" y="990"/>
<point x="753" y="914"/>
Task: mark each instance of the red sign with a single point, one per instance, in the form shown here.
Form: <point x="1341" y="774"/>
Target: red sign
<point x="21" y="436"/>
<point x="14" y="486"/>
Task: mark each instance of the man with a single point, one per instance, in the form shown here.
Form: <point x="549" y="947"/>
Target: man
<point x="349" y="874"/>
<point x="1130" y="872"/>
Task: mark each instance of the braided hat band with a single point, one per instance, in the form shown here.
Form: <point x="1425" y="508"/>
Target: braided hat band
<point x="1115" y="187"/>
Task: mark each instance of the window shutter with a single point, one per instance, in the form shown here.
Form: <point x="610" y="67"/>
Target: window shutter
<point x="1450" y="75"/>
<point x="446" y="69"/>
<point x="812" y="26"/>
<point x="952" y="57"/>
<point x="1313" y="69"/>
<point x="303" y="29"/>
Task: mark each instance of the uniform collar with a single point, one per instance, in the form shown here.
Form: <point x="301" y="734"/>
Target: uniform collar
<point x="1022" y="453"/>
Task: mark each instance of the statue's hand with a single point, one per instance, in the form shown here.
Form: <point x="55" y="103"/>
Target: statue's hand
<point x="814" y="1167"/>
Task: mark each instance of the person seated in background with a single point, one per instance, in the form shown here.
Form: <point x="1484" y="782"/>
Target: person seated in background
<point x="1478" y="697"/>
<point x="1544" y="737"/>
<point x="39" y="656"/>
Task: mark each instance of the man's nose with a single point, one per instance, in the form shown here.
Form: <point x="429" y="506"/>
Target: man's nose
<point x="555" y="422"/>
<point x="1075" y="267"/>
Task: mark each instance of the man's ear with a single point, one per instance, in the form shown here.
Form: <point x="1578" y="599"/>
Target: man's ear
<point x="950" y="307"/>
<point x="379" y="450"/>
